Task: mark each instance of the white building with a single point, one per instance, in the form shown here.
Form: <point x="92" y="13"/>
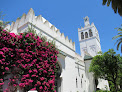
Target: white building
<point x="75" y="76"/>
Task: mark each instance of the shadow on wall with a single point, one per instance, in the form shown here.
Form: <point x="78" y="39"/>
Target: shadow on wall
<point x="61" y="61"/>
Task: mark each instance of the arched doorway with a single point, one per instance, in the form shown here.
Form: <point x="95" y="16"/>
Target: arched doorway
<point x="58" y="78"/>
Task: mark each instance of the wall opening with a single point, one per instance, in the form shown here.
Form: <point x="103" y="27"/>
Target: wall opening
<point x="86" y="35"/>
<point x="76" y="83"/>
<point x="82" y="35"/>
<point x="90" y="33"/>
<point x="58" y="79"/>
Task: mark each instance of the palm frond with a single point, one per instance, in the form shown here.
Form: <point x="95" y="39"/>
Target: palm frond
<point x="120" y="42"/>
<point x="119" y="29"/>
<point x="120" y="33"/>
<point x="115" y="37"/>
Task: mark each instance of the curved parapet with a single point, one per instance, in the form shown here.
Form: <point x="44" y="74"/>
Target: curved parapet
<point x="41" y="24"/>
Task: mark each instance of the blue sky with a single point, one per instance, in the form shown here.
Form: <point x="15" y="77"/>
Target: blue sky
<point x="67" y="15"/>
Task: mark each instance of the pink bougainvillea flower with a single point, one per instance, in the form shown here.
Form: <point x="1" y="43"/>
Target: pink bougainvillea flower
<point x="44" y="71"/>
<point x="48" y="84"/>
<point x="35" y="70"/>
<point x="30" y="80"/>
<point x="51" y="81"/>
<point x="13" y="35"/>
<point x="30" y="71"/>
<point x="22" y="85"/>
<point x="12" y="55"/>
<point x="13" y="80"/>
<point x="35" y="85"/>
<point x="3" y="56"/>
<point x="40" y="73"/>
<point x="38" y="66"/>
<point x="13" y="65"/>
<point x="41" y="69"/>
<point x="1" y="52"/>
<point x="45" y="88"/>
<point x="27" y="35"/>
<point x="1" y="79"/>
<point x="27" y="83"/>
<point x="1" y="61"/>
<point x="34" y="57"/>
<point x="14" y="85"/>
<point x="30" y="65"/>
<point x="1" y="83"/>
<point x="53" y="72"/>
<point x="34" y="60"/>
<point x="21" y="50"/>
<point x="33" y="75"/>
<point x="33" y="89"/>
<point x="6" y="68"/>
<point x="38" y="83"/>
<point x="3" y="73"/>
<point x="27" y="75"/>
<point x="33" y="53"/>
<point x="44" y="83"/>
<point x="41" y="87"/>
<point x="42" y="78"/>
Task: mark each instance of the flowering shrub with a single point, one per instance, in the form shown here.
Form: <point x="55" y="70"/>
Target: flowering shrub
<point x="31" y="60"/>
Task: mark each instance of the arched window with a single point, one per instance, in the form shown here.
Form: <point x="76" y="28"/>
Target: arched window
<point x="76" y="83"/>
<point x="86" y="35"/>
<point x="90" y="33"/>
<point x="82" y="35"/>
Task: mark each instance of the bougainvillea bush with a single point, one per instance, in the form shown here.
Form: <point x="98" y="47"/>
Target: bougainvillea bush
<point x="30" y="60"/>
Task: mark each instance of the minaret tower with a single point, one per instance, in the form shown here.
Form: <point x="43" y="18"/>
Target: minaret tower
<point x="89" y="38"/>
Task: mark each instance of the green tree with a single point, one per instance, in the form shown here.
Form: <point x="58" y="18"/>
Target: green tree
<point x="108" y="66"/>
<point x="120" y="74"/>
<point x="119" y="38"/>
<point x="116" y="5"/>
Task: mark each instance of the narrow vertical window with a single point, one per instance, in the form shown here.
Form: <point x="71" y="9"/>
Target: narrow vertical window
<point x="90" y="33"/>
<point x="76" y="83"/>
<point x="86" y="35"/>
<point x="82" y="35"/>
<point x="81" y="83"/>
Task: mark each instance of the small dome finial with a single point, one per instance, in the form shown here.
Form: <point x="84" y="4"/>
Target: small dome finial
<point x="86" y="21"/>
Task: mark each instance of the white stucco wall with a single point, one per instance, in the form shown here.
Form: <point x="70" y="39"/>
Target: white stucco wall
<point x="103" y="84"/>
<point x="90" y="78"/>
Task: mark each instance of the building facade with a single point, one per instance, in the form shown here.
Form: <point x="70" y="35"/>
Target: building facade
<point x="75" y="76"/>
